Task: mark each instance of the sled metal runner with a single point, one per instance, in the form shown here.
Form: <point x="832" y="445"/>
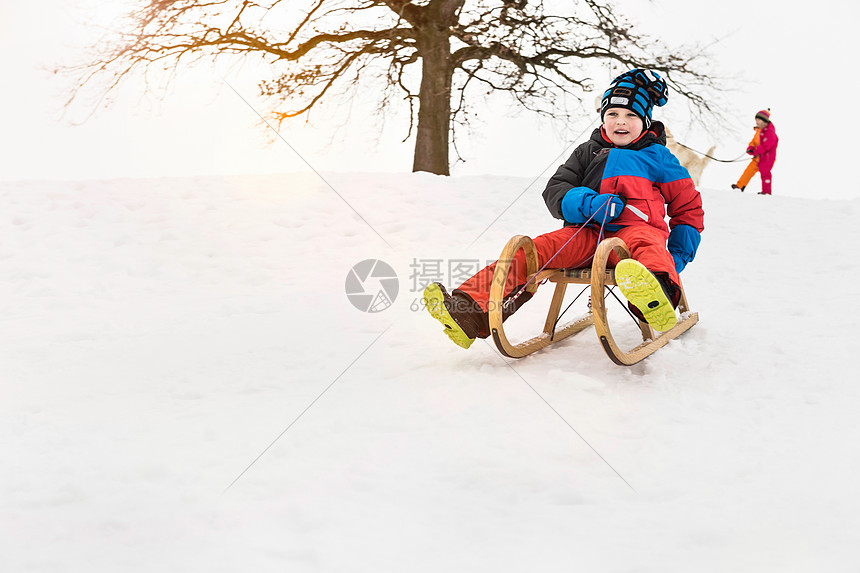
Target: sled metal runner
<point x="600" y="278"/>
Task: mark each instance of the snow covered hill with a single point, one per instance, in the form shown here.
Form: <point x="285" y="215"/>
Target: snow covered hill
<point x="187" y="387"/>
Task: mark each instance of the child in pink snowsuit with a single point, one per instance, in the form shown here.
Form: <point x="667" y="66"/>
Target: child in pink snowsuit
<point x="765" y="151"/>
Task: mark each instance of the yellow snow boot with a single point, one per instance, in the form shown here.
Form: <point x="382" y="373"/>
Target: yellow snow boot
<point x="435" y="296"/>
<point x="644" y="291"/>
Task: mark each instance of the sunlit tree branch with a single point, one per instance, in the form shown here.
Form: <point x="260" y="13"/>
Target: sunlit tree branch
<point x="439" y="56"/>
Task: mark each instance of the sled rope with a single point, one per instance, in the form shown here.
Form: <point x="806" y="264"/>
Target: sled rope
<point x="610" y="290"/>
<point x="600" y="237"/>
<point x="557" y="320"/>
<point x="739" y="157"/>
<point x="624" y="306"/>
<point x="605" y="208"/>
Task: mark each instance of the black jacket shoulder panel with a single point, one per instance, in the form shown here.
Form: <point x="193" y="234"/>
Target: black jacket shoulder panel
<point x="579" y="170"/>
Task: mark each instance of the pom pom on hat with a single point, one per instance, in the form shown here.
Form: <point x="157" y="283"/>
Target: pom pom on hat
<point x="637" y="90"/>
<point x="763" y="115"/>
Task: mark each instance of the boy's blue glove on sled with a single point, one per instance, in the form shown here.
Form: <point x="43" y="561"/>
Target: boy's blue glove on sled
<point x="580" y="203"/>
<point x="683" y="243"/>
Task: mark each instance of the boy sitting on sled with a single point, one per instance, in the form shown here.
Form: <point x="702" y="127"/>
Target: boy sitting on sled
<point x="621" y="183"/>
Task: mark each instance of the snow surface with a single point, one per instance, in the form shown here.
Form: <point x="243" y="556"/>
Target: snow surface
<point x="161" y="337"/>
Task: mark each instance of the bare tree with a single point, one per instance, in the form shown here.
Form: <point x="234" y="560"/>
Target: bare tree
<point x="439" y="55"/>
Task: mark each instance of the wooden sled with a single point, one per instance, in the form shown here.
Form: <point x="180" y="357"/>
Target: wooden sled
<point x="600" y="278"/>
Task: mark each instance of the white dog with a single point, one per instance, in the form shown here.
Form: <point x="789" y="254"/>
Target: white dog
<point x="689" y="159"/>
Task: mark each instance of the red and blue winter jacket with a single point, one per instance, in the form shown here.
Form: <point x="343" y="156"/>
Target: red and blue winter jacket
<point x="644" y="173"/>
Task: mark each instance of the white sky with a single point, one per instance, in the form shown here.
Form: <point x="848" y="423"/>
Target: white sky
<point x="792" y="59"/>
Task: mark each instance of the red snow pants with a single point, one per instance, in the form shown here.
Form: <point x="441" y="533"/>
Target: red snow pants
<point x="647" y="245"/>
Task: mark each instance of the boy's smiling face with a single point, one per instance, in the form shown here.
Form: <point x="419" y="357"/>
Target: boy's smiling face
<point x="622" y="126"/>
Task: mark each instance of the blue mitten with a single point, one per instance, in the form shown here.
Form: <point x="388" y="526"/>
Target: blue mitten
<point x="581" y="204"/>
<point x="683" y="243"/>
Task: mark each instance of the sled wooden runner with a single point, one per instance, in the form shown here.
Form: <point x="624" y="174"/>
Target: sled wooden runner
<point x="600" y="278"/>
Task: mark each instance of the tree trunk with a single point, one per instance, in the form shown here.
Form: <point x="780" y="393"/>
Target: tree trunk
<point x="434" y="104"/>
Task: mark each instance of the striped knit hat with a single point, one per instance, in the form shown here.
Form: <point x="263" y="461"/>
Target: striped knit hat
<point x="763" y="115"/>
<point x="637" y="90"/>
